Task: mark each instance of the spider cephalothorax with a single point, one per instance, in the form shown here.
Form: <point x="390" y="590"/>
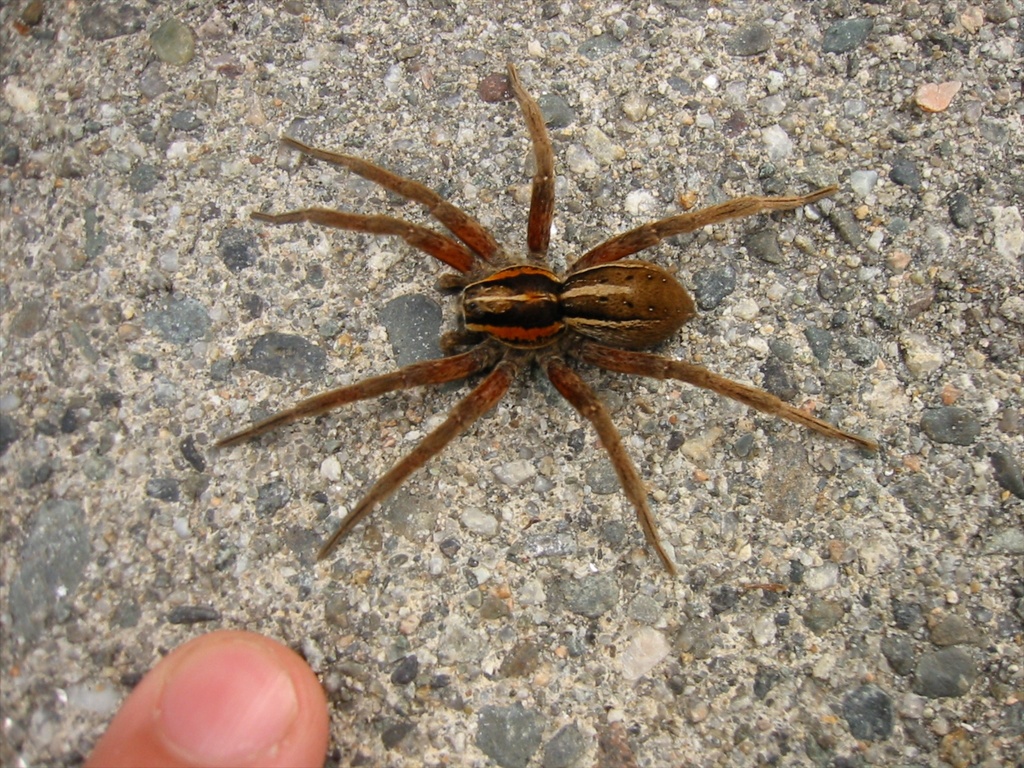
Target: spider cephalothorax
<point x="518" y="312"/>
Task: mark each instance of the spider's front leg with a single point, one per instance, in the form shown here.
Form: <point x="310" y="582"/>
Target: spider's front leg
<point x="588" y="404"/>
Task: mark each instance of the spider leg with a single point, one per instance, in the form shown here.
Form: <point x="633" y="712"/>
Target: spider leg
<point x="542" y="201"/>
<point x="478" y="402"/>
<point x="587" y="403"/>
<point x="636" y="240"/>
<point x="658" y="367"/>
<point x="462" y="225"/>
<point x="442" y="248"/>
<point x="416" y="375"/>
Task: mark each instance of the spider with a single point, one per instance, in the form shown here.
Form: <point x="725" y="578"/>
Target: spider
<point x="517" y="312"/>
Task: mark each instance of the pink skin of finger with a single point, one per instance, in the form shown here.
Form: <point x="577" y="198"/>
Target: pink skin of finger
<point x="228" y="698"/>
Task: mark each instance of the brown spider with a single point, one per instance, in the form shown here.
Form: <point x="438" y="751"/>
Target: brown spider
<point x="517" y="312"/>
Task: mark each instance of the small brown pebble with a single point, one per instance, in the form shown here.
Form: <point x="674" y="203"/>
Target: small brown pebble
<point x="494" y="88"/>
<point x="32" y="13"/>
<point x="935" y="97"/>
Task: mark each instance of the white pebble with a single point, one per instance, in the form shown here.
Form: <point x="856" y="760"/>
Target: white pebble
<point x="330" y="469"/>
<point x="645" y="651"/>
<point x="479" y="522"/>
<point x="821" y="578"/>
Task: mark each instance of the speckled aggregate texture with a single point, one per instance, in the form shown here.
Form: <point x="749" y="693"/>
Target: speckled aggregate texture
<point x="833" y="607"/>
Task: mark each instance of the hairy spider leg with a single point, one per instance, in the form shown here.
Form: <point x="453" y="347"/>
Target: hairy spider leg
<point x="643" y="237"/>
<point x="442" y="248"/>
<point x="429" y="372"/>
<point x="542" y="198"/>
<point x="479" y="401"/>
<point x="589" y="405"/>
<point x="658" y="367"/>
<point x="461" y="224"/>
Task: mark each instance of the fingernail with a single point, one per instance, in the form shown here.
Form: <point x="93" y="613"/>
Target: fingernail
<point x="227" y="705"/>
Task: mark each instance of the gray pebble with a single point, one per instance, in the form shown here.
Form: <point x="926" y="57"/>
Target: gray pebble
<point x="179" y="320"/>
<point x="239" y="248"/>
<point x="9" y="432"/>
<point x="765" y="679"/>
<point x="861" y="350"/>
<point x="52" y="563"/>
<point x="950" y="424"/>
<point x="192" y="454"/>
<point x="1007" y="470"/>
<point x="565" y="748"/>
<point x="899" y="652"/>
<point x="151" y="83"/>
<point x="828" y="284"/>
<point x="192" y="614"/>
<point x="907" y="616"/>
<point x="1008" y="541"/>
<point x="868" y="713"/>
<point x="394" y="731"/>
<point x="960" y="211"/>
<point x="821" y="615"/>
<point x="163" y="488"/>
<point x="143" y="178"/>
<point x="596" y="47"/>
<point x="949" y="672"/>
<point x="272" y="496"/>
<point x="846" y="35"/>
<point x="749" y="40"/>
<point x="710" y="287"/>
<point x="846" y="226"/>
<point x="406" y="670"/>
<point x="173" y="42"/>
<point x="286" y="357"/>
<point x="593" y="595"/>
<point x="764" y="245"/>
<point x="556" y="111"/>
<point x="777" y="380"/>
<point x="413" y="323"/>
<point x="905" y="172"/>
<point x="600" y="476"/>
<point x="509" y="735"/>
<point x="820" y="342"/>
<point x="185" y="120"/>
<point x="30" y="319"/>
<point x="107" y="21"/>
<point x="953" y="630"/>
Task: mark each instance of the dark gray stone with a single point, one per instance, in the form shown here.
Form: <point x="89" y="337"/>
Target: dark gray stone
<point x="192" y="454"/>
<point x="846" y="35"/>
<point x="953" y="630"/>
<point x="163" y="488"/>
<point x="565" y="748"/>
<point x="899" y="652"/>
<point x="556" y="111"/>
<point x="960" y="211"/>
<point x="1007" y="470"/>
<point x="710" y="287"/>
<point x="946" y="673"/>
<point x="30" y="319"/>
<point x="286" y="357"/>
<point x="107" y="21"/>
<point x="820" y="342"/>
<point x="396" y="730"/>
<point x="179" y="320"/>
<point x="861" y="350"/>
<point x="143" y="178"/>
<point x="413" y="323"/>
<point x="749" y="40"/>
<point x="9" y="432"/>
<point x="868" y="713"/>
<point x="764" y="245"/>
<point x="185" y="120"/>
<point x="406" y="670"/>
<point x="192" y="614"/>
<point x="272" y="496"/>
<point x="592" y="596"/>
<point x="509" y="735"/>
<point x="821" y="615"/>
<point x="596" y="47"/>
<point x="52" y="563"/>
<point x="238" y="248"/>
<point x="905" y="172"/>
<point x="950" y="424"/>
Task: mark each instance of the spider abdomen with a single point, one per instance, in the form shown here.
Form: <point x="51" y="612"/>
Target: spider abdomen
<point x="631" y="304"/>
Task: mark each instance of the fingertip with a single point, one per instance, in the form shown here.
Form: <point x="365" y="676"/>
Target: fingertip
<point x="229" y="698"/>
